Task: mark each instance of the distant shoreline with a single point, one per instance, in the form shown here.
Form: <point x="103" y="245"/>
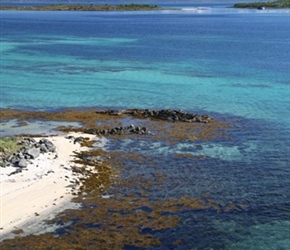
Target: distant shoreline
<point x="85" y="7"/>
<point x="280" y="4"/>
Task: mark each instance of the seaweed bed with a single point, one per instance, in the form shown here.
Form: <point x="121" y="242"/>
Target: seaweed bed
<point x="118" y="210"/>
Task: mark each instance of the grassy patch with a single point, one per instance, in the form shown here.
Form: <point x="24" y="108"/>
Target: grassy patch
<point x="8" y="145"/>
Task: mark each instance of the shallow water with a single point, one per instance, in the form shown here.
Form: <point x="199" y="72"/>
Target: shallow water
<point x="12" y="127"/>
<point x="233" y="64"/>
<point x="242" y="171"/>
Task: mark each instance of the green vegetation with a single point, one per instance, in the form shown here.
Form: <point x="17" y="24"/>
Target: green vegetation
<point x="259" y="5"/>
<point x="84" y="7"/>
<point x="8" y="146"/>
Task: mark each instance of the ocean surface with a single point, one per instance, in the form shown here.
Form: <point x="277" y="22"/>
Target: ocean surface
<point x="229" y="63"/>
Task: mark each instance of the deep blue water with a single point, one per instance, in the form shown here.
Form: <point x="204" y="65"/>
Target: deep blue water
<point x="233" y="64"/>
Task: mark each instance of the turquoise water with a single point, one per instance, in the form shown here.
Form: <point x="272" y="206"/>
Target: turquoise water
<point x="232" y="64"/>
<point x="227" y="63"/>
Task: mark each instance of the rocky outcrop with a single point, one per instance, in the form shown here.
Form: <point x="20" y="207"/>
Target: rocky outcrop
<point x="31" y="149"/>
<point x="119" y="130"/>
<point x="164" y="114"/>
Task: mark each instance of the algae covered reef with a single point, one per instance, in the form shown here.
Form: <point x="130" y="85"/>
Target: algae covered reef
<point x="124" y="202"/>
<point x="164" y="125"/>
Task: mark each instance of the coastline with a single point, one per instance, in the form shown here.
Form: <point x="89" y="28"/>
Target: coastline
<point x="140" y="186"/>
<point x="113" y="204"/>
<point x="39" y="192"/>
<point x="216" y="185"/>
<point x="280" y="4"/>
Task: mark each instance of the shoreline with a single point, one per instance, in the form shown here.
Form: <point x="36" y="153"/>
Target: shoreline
<point x="279" y="4"/>
<point x="104" y="196"/>
<point x="40" y="191"/>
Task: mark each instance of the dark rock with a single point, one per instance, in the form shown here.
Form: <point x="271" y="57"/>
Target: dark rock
<point x="13" y="159"/>
<point x="164" y="114"/>
<point x="20" y="155"/>
<point x="78" y="140"/>
<point x="33" y="152"/>
<point x="70" y="137"/>
<point x="118" y="130"/>
<point x="27" y="157"/>
<point x="92" y="131"/>
<point x="23" y="163"/>
<point x="43" y="149"/>
<point x="48" y="144"/>
<point x="27" y="141"/>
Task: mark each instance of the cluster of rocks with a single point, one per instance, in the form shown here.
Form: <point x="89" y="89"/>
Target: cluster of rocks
<point x="119" y="130"/>
<point x="164" y="114"/>
<point x="31" y="149"/>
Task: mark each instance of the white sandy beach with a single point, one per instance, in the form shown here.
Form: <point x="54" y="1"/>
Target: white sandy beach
<point x="40" y="191"/>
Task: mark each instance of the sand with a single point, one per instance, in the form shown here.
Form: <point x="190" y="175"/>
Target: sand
<point x="39" y="192"/>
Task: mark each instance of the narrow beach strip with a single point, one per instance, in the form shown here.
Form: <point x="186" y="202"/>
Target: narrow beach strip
<point x="41" y="190"/>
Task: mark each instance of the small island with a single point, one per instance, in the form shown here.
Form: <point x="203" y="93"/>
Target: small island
<point x="84" y="7"/>
<point x="262" y="5"/>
